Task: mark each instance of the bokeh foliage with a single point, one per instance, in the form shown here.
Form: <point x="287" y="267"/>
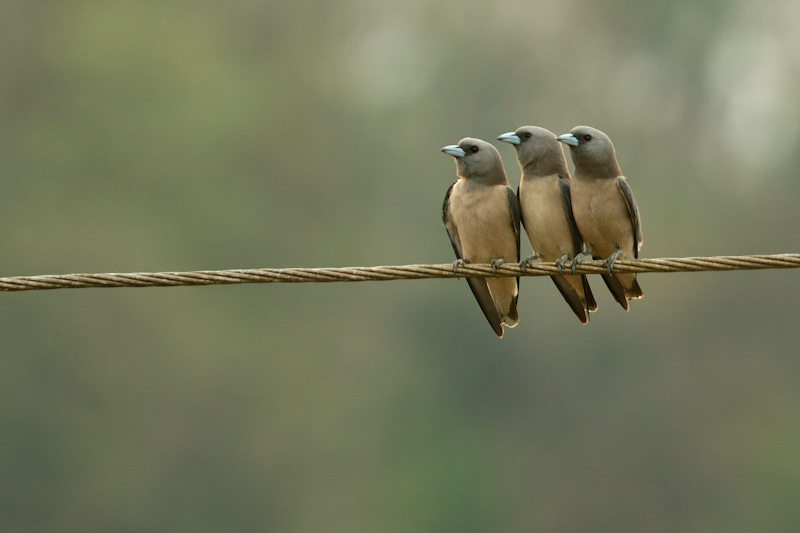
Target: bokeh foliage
<point x="201" y="135"/>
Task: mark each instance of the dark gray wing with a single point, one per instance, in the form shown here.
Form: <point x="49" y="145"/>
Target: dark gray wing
<point x="571" y="297"/>
<point x="616" y="288"/>
<point x="516" y="219"/>
<point x="521" y="220"/>
<point x="633" y="212"/>
<point x="577" y="247"/>
<point x="448" y="224"/>
<point x="566" y="199"/>
<point x="478" y="285"/>
<point x="513" y="201"/>
<point x="591" y="304"/>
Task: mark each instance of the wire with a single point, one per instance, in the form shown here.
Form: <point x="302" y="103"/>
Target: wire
<point x="385" y="273"/>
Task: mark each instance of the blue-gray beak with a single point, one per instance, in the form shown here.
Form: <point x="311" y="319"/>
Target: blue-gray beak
<point x="510" y="137"/>
<point x="454" y="150"/>
<point x="569" y="139"/>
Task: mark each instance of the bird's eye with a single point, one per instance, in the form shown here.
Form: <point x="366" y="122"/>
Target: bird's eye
<point x="587" y="137"/>
<point x="474" y="149"/>
<point x="527" y="135"/>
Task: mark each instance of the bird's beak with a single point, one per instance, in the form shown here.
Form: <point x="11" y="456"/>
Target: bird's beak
<point x="569" y="139"/>
<point x="510" y="137"/>
<point x="454" y="150"/>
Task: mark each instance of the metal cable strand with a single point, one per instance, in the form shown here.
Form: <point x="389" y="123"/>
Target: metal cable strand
<point x="384" y="273"/>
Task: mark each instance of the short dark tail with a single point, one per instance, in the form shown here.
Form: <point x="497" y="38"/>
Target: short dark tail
<point x="511" y="318"/>
<point x="617" y="290"/>
<point x="591" y="305"/>
<point x="481" y="292"/>
<point x="634" y="291"/>
<point x="572" y="297"/>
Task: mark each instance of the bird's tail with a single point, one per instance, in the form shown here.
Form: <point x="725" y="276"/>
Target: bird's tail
<point x="623" y="287"/>
<point x="632" y="290"/>
<point x="591" y="304"/>
<point x="571" y="288"/>
<point x="511" y="318"/>
<point x="504" y="293"/>
<point x="616" y="289"/>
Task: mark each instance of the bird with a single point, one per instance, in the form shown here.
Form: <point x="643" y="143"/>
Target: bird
<point x="546" y="211"/>
<point x="605" y="209"/>
<point x="481" y="216"/>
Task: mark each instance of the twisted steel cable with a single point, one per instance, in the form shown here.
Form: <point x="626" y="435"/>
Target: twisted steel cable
<point x="384" y="273"/>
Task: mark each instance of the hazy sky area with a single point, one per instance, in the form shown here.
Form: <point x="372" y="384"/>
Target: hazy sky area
<point x="171" y="136"/>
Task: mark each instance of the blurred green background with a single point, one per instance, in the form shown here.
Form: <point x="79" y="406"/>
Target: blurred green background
<point x="147" y="136"/>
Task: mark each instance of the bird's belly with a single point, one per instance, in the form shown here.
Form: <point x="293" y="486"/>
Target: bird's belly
<point x="604" y="224"/>
<point x="546" y="222"/>
<point x="483" y="221"/>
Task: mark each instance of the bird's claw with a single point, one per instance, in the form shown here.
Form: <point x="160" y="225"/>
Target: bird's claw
<point x="560" y="263"/>
<point x="578" y="260"/>
<point x="496" y="263"/>
<point x="457" y="263"/>
<point x="528" y="261"/>
<point x="611" y="260"/>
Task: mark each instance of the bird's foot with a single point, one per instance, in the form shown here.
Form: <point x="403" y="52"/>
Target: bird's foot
<point x="528" y="261"/>
<point x="560" y="263"/>
<point x="579" y="259"/>
<point x="459" y="262"/>
<point x="611" y="260"/>
<point x="496" y="263"/>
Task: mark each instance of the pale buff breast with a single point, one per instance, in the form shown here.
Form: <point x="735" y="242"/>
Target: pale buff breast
<point x="544" y="217"/>
<point x="602" y="217"/>
<point x="482" y="217"/>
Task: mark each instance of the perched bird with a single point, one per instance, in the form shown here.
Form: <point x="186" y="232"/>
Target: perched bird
<point x="604" y="207"/>
<point x="546" y="211"/>
<point x="481" y="215"/>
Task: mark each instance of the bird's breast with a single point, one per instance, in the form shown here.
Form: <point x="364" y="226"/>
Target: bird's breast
<point x="482" y="217"/>
<point x="602" y="216"/>
<point x="544" y="217"/>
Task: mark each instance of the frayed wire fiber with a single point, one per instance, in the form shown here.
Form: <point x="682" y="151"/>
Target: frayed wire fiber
<point x="385" y="273"/>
